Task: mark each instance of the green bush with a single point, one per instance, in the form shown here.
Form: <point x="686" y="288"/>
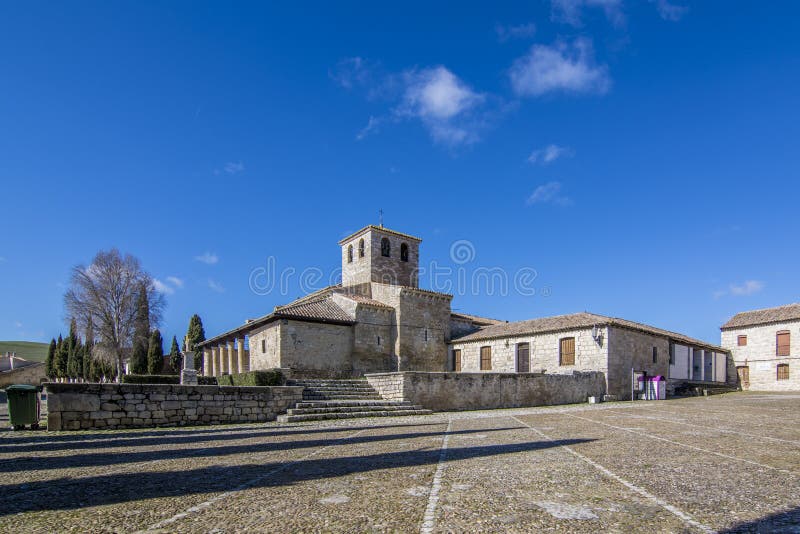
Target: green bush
<point x="253" y="378"/>
<point x="206" y="380"/>
<point x="151" y="379"/>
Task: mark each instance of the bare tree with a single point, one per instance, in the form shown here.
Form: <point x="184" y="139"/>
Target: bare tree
<point x="104" y="298"/>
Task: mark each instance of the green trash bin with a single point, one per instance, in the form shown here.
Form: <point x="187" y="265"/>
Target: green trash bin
<point x="23" y="406"/>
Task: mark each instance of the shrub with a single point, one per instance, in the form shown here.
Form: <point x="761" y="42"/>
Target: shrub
<point x="253" y="378"/>
<point x="206" y="380"/>
<point x="151" y="379"/>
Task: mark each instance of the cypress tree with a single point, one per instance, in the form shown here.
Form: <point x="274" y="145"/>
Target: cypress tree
<point x="74" y="352"/>
<point x="139" y="359"/>
<point x="175" y="358"/>
<point x="141" y="325"/>
<point x="60" y="360"/>
<point x="50" y="362"/>
<point x="196" y="335"/>
<point x="155" y="354"/>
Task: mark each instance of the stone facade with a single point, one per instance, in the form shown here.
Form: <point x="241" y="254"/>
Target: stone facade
<point x="373" y="266"/>
<point x="484" y="391"/>
<point x="757" y="361"/>
<point x="107" y="406"/>
<point x="30" y="374"/>
<point x="614" y="353"/>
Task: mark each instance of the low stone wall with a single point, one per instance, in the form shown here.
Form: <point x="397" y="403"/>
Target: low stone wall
<point x="482" y="391"/>
<point x="105" y="406"/>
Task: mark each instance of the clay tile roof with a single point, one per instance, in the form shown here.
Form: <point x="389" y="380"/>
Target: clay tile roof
<point x="323" y="309"/>
<point x="379" y="229"/>
<point x="779" y="314"/>
<point x="476" y="319"/>
<point x="361" y="299"/>
<point x="571" y="322"/>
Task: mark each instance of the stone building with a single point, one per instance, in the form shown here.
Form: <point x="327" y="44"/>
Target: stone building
<point x="379" y="320"/>
<point x="764" y="347"/>
<point x="589" y="342"/>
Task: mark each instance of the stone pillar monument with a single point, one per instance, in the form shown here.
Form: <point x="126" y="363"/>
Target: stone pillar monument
<point x="189" y="373"/>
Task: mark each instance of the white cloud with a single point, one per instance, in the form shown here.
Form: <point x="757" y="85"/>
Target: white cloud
<point x="571" y="11"/>
<point x="372" y="127"/>
<point x="443" y="103"/>
<point x="549" y="154"/>
<point x="215" y="286"/>
<point x="746" y="288"/>
<point x="161" y="287"/>
<point x="208" y="258"/>
<point x="17" y="324"/>
<point x="520" y="31"/>
<point x="749" y="287"/>
<point x="549" y="193"/>
<point x="234" y="167"/>
<point x="565" y="67"/>
<point x="669" y="11"/>
<point x="175" y="281"/>
<point x="437" y="94"/>
<point x="351" y="72"/>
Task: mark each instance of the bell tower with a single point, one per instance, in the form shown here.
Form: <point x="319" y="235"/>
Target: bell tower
<point x="377" y="254"/>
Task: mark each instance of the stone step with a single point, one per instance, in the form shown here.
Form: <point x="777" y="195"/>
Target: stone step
<point x="286" y="418"/>
<point x="349" y="403"/>
<point x="312" y="383"/>
<point x="307" y="397"/>
<point x="315" y="391"/>
<point x="351" y="409"/>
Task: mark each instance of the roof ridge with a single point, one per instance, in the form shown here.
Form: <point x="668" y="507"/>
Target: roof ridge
<point x="768" y="308"/>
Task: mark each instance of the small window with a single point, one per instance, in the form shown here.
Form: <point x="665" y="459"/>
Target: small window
<point x="672" y="354"/>
<point x="350" y="254"/>
<point x="567" y="351"/>
<point x="782" y="341"/>
<point x="655" y="354"/>
<point x="361" y="248"/>
<point x="457" y="360"/>
<point x="403" y="252"/>
<point x="263" y="345"/>
<point x="386" y="248"/>
<point x="783" y="371"/>
<point x="486" y="358"/>
<point x="741" y="341"/>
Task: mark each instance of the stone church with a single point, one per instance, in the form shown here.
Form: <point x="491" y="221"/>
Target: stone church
<point x="376" y="320"/>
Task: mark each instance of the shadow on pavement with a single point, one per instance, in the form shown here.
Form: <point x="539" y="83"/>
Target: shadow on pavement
<point x="69" y="493"/>
<point x="788" y="521"/>
<point x="37" y="463"/>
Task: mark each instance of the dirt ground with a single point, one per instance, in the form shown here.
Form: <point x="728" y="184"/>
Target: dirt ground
<point x="723" y="463"/>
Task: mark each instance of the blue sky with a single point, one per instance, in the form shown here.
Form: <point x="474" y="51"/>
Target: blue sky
<point x="640" y="158"/>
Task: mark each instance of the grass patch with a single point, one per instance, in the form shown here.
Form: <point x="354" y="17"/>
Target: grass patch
<point x="27" y="350"/>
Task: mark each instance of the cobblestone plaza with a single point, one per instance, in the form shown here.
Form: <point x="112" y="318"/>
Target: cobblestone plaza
<point x="700" y="464"/>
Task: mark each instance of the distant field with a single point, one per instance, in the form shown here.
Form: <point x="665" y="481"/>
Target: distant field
<point x="27" y="350"/>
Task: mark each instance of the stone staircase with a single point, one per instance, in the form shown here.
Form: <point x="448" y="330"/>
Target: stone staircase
<point x="343" y="399"/>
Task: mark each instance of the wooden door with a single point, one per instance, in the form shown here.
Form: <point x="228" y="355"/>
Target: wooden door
<point x="523" y="358"/>
<point x="457" y="360"/>
<point x="744" y="376"/>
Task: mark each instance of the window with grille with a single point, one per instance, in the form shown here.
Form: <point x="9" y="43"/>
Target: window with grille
<point x="350" y="254"/>
<point x="655" y="354"/>
<point x="386" y="248"/>
<point x="782" y="342"/>
<point x="263" y="345"/>
<point x="741" y="341"/>
<point x="783" y="371"/>
<point x="403" y="252"/>
<point x="567" y="351"/>
<point x="361" y="248"/>
<point x="486" y="358"/>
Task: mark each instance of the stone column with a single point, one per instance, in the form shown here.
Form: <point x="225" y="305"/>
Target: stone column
<point x="244" y="364"/>
<point x="223" y="359"/>
<point x="207" y="370"/>
<point x="233" y="361"/>
<point x="214" y="361"/>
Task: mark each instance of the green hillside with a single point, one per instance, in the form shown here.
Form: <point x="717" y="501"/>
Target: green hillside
<point x="27" y="350"/>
